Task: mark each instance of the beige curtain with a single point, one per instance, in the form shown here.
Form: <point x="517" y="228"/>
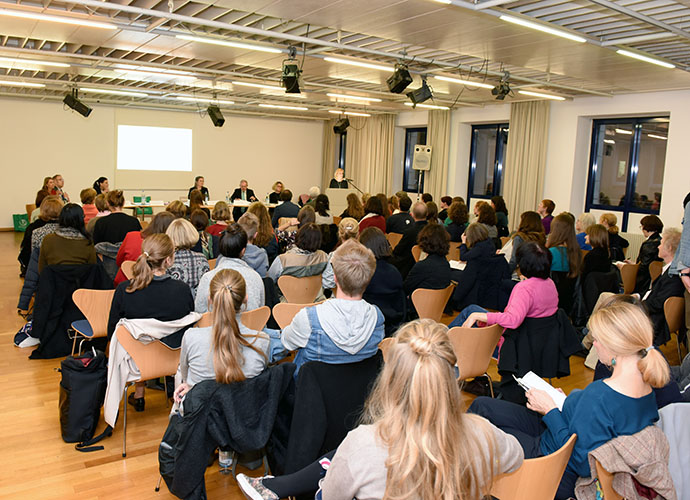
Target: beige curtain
<point x="329" y="161"/>
<point x="438" y="137"/>
<point x="526" y="157"/>
<point x="369" y="152"/>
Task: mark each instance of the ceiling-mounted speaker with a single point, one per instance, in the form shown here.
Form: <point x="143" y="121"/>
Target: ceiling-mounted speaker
<point x="421" y="94"/>
<point x="399" y="80"/>
<point x="216" y="116"/>
<point x="74" y="103"/>
<point x="341" y="126"/>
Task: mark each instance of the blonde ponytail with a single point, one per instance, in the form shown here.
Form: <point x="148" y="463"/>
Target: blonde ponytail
<point x="154" y="251"/>
<point x="654" y="368"/>
<point x="228" y="290"/>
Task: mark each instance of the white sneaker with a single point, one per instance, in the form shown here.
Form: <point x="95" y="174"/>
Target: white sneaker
<point x="253" y="488"/>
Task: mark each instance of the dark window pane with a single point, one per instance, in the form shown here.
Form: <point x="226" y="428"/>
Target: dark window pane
<point x="610" y="169"/>
<point x="650" y="165"/>
<point x="484" y="161"/>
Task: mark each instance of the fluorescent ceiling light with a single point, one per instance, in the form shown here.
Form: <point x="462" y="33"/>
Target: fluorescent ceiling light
<point x="228" y="43"/>
<point x="21" y="84"/>
<point x="623" y="131"/>
<point x="444" y="1"/>
<point x="204" y="99"/>
<point x="338" y="60"/>
<point x="257" y="85"/>
<point x="648" y="59"/>
<point x="56" y="19"/>
<point x="33" y="61"/>
<point x="127" y="93"/>
<point x="278" y="106"/>
<point x="429" y="106"/>
<point x="469" y="83"/>
<point x="351" y="113"/>
<point x="542" y="28"/>
<point x="355" y="97"/>
<point x="148" y="74"/>
<point x="609" y="141"/>
<point x="653" y="136"/>
<point x="545" y="96"/>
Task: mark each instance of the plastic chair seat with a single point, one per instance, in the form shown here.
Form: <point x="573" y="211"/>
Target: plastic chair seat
<point x="83" y="327"/>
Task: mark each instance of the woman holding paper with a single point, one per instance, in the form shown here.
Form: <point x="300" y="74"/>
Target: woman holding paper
<point x="623" y="404"/>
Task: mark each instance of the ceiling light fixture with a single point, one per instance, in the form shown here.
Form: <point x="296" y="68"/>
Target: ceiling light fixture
<point x="33" y="61"/>
<point x="654" y="136"/>
<point x="126" y="93"/>
<point x="257" y="85"/>
<point x="609" y="141"/>
<point x="204" y="100"/>
<point x="22" y="84"/>
<point x="464" y="82"/>
<point x="538" y="94"/>
<point x="355" y="97"/>
<point x="623" y="131"/>
<point x="147" y="74"/>
<point x="350" y="113"/>
<point x="379" y="67"/>
<point x="57" y="19"/>
<point x="278" y="106"/>
<point x="644" y="58"/>
<point x="542" y="28"/>
<point x="227" y="43"/>
<point x="428" y="106"/>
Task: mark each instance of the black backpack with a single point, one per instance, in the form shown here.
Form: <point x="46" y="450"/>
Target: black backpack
<point x="82" y="391"/>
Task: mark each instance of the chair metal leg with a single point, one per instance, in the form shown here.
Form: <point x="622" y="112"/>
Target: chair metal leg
<point x="81" y="343"/>
<point x="158" y="484"/>
<point x="124" y="424"/>
<point x="491" y="384"/>
<point x="74" y="342"/>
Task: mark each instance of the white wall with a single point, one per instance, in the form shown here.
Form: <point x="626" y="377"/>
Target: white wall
<point x="38" y="139"/>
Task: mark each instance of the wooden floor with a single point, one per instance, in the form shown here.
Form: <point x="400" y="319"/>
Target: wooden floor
<point x="34" y="461"/>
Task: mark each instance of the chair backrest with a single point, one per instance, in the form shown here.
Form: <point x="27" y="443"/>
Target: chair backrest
<point x="144" y="223"/>
<point x="153" y="360"/>
<point x="300" y="290"/>
<point x="212" y="263"/>
<point x="384" y="347"/>
<point x="473" y="348"/>
<point x="629" y="275"/>
<point x="674" y="311"/>
<point x="336" y="220"/>
<point x="655" y="269"/>
<point x="537" y="478"/>
<point x="431" y="303"/>
<point x="393" y="239"/>
<point x="416" y="252"/>
<point x="95" y="306"/>
<point x="504" y="240"/>
<point x="606" y="482"/>
<point x="284" y="220"/>
<point x="284" y="312"/>
<point x="453" y="251"/>
<point x="30" y="207"/>
<point x="127" y="268"/>
<point x="256" y="319"/>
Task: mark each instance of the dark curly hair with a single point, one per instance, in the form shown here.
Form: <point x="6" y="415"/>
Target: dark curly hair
<point x="458" y="212"/>
<point x="434" y="239"/>
<point x="487" y="215"/>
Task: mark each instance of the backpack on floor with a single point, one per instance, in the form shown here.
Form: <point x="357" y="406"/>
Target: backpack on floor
<point x="82" y="391"/>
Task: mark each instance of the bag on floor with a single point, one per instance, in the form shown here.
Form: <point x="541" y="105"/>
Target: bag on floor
<point x="82" y="391"/>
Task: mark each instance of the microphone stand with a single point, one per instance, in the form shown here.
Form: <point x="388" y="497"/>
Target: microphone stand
<point x="350" y="181"/>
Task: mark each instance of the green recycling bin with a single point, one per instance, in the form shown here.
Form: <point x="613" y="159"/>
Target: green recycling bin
<point x="21" y="222"/>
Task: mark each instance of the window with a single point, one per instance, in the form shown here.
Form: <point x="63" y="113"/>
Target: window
<point x="413" y="136"/>
<point x="626" y="167"/>
<point x="342" y="147"/>
<point x="487" y="160"/>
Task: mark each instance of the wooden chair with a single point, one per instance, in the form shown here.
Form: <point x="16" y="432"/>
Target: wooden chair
<point x="284" y="312"/>
<point x="606" y="482"/>
<point x="629" y="275"/>
<point x="212" y="263"/>
<point x="127" y="269"/>
<point x="30" y="207"/>
<point x="473" y="348"/>
<point x="393" y="239"/>
<point x="144" y="224"/>
<point x="674" y="312"/>
<point x="504" y="240"/>
<point x="154" y="360"/>
<point x="453" y="251"/>
<point x="655" y="269"/>
<point x="284" y="220"/>
<point x="417" y="253"/>
<point x="300" y="290"/>
<point x="584" y="252"/>
<point x="537" y="478"/>
<point x="336" y="220"/>
<point x="95" y="306"/>
<point x="255" y="319"/>
<point x="431" y="303"/>
<point x="384" y="347"/>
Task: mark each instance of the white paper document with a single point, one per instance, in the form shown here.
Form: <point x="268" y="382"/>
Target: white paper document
<point x="457" y="264"/>
<point x="531" y="380"/>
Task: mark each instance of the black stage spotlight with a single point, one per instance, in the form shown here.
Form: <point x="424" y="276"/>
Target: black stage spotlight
<point x="502" y="89"/>
<point x="216" y="116"/>
<point x="291" y="74"/>
<point x="400" y="79"/>
<point x="420" y="95"/>
<point x="341" y="126"/>
<point x="74" y="103"/>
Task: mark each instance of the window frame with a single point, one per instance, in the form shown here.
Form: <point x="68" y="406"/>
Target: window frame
<point x="632" y="168"/>
<point x="502" y="130"/>
<point x="407" y="161"/>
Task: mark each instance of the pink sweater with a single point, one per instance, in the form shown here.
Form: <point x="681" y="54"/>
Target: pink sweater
<point x="530" y="298"/>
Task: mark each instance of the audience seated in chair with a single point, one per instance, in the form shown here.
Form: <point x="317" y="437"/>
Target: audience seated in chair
<point x="69" y="244"/>
<point x="412" y="417"/>
<point x="566" y="259"/>
<point x="265" y="236"/>
<point x="402" y="253"/>
<point x="255" y="256"/>
<point x="348" y="228"/>
<point x="222" y="216"/>
<point x="529" y="229"/>
<point x="321" y="207"/>
<point x="621" y="405"/>
<point x="114" y="227"/>
<point x="343" y="329"/>
<point x="232" y="246"/>
<point x="581" y="224"/>
<point x="458" y="215"/>
<point x="499" y="206"/>
<point x="373" y="215"/>
<point x="286" y="236"/>
<point x="354" y="209"/>
<point x="49" y="216"/>
<point x="649" y="251"/>
<point x="188" y="266"/>
<point x="286" y="209"/>
<point x="401" y="221"/>
<point x="617" y="244"/>
<point x="207" y="244"/>
<point x="599" y="258"/>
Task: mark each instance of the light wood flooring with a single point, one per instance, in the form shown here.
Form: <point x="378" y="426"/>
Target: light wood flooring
<point x="34" y="461"/>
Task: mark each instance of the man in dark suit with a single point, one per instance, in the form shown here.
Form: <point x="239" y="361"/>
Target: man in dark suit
<point x="402" y="253"/>
<point x="400" y="222"/>
<point x="241" y="193"/>
<point x="285" y="209"/>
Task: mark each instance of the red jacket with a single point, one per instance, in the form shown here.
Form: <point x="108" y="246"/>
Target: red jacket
<point x="129" y="250"/>
<point x="373" y="221"/>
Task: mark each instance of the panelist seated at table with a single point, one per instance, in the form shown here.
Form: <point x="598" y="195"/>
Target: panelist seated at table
<point x="199" y="186"/>
<point x="241" y="193"/>
<point x="338" y="181"/>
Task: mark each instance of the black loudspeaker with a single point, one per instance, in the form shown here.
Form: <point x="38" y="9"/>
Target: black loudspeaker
<point x="341" y="126"/>
<point x="216" y="116"/>
<point x="78" y="106"/>
<point x="399" y="80"/>
<point x="420" y="95"/>
<point x="290" y="77"/>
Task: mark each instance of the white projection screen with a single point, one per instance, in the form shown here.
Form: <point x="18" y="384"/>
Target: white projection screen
<point x="150" y="157"/>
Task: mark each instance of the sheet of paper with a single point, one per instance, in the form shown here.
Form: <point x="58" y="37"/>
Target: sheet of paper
<point x="458" y="264"/>
<point x="533" y="381"/>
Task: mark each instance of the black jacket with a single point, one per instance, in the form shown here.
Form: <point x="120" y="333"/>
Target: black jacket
<point x="25" y="248"/>
<point x="385" y="291"/>
<point x="432" y="272"/>
<point x="455" y="231"/>
<point x="399" y="223"/>
<point x="616" y="245"/>
<point x="597" y="282"/>
<point x="596" y="260"/>
<point x="649" y="252"/>
<point x="54" y="310"/>
<point x="285" y="209"/>
<point x="481" y="283"/>
<point x="664" y="287"/>
<point x="482" y="250"/>
<point x="204" y="192"/>
<point x="114" y="227"/>
<point x="237" y="194"/>
<point x="238" y="416"/>
<point x="334" y="184"/>
<point x="402" y="253"/>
